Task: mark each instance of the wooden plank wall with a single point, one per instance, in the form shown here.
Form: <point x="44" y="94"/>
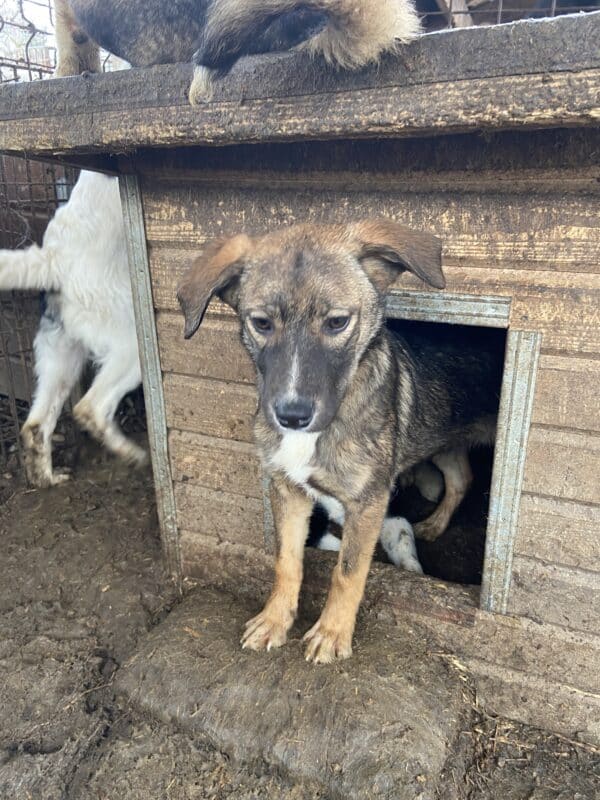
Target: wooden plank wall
<point x="518" y="214"/>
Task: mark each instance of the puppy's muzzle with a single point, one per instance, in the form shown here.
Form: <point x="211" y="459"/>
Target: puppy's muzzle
<point x="295" y="414"/>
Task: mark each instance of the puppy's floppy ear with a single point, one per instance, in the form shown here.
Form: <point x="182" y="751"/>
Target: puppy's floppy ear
<point x="387" y="248"/>
<point x="216" y="271"/>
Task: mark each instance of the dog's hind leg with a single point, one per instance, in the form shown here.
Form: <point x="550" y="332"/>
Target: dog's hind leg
<point x="95" y="412"/>
<point x="292" y="508"/>
<point x="77" y="53"/>
<point x="454" y="466"/>
<point x="59" y="361"/>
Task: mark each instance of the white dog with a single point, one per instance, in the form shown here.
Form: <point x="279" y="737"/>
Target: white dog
<point x="83" y="265"/>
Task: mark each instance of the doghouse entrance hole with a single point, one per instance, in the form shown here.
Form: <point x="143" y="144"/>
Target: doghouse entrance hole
<point x="477" y="546"/>
<point x="458" y="554"/>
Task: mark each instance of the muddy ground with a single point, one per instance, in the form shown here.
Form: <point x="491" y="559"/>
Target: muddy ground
<point x="81" y="587"/>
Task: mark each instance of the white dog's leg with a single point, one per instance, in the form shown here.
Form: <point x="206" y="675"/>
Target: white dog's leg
<point x="398" y="541"/>
<point x="95" y="412"/>
<point x="58" y="364"/>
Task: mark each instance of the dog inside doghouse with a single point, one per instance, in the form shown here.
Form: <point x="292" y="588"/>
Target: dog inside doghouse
<point x="350" y="401"/>
<point x="457" y="554"/>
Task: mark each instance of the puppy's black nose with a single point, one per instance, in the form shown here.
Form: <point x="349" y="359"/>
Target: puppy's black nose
<point x="295" y="414"/>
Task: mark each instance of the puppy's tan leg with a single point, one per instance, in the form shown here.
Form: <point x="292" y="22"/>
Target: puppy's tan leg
<point x="291" y="513"/>
<point x="331" y="637"/>
<point x="454" y="466"/>
<point x="77" y="53"/>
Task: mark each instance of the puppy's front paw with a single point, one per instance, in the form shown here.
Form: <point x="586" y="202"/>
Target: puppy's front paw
<point x="202" y="86"/>
<point x="327" y="643"/>
<point x="267" y="630"/>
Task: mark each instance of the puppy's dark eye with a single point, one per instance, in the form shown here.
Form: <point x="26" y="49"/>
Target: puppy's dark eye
<point x="336" y="324"/>
<point x="262" y="325"/>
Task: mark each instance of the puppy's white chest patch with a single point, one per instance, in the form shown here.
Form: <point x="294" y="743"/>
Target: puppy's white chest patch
<point x="294" y="454"/>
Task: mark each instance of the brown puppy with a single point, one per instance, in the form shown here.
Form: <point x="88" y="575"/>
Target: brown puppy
<point x="216" y="33"/>
<point x="345" y="404"/>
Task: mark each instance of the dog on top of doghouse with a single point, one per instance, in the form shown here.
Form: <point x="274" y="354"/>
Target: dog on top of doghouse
<point x="345" y="403"/>
<point x="214" y="34"/>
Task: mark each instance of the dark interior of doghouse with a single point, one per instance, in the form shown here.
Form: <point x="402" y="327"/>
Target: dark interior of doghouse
<point x="458" y="554"/>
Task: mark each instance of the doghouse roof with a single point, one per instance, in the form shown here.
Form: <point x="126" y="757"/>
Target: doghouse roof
<point x="530" y="74"/>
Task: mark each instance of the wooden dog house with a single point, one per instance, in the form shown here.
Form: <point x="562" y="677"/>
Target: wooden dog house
<point x="485" y="136"/>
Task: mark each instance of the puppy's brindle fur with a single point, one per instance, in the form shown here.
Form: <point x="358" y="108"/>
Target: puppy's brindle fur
<point x="216" y="33"/>
<point x="311" y="303"/>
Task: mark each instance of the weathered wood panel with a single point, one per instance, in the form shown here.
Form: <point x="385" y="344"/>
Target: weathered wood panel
<point x="224" y="516"/>
<point x="555" y="594"/>
<point x="538" y="73"/>
<point x="247" y="571"/>
<point x="563" y="464"/>
<point x="532" y="699"/>
<point x="133" y="217"/>
<point x="216" y="464"/>
<point x="215" y="408"/>
<point x="538" y="249"/>
<point x="520" y="162"/>
<point x="559" y="532"/>
<point x="514" y="419"/>
<point x="551" y="232"/>
<point x="215" y="351"/>
<point x="568" y="393"/>
<point x="559" y="655"/>
<point x="168" y="265"/>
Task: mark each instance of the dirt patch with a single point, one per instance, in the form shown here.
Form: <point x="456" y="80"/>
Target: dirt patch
<point x="81" y="588"/>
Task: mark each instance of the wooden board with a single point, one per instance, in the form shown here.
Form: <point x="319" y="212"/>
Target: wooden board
<point x="224" y="516"/>
<point x="216" y="351"/>
<point x="214" y="408"/>
<point x="540" y="161"/>
<point x="531" y="698"/>
<point x="539" y="73"/>
<point x="541" y="250"/>
<point x="559" y="531"/>
<point x="568" y="393"/>
<point x="550" y="232"/>
<point x="555" y="594"/>
<point x="563" y="464"/>
<point x="217" y="464"/>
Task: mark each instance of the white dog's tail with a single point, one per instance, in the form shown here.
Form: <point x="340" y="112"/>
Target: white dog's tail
<point x="348" y="33"/>
<point x="26" y="269"/>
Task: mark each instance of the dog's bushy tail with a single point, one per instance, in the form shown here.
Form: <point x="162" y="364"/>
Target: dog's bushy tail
<point x="26" y="269"/>
<point x="347" y="33"/>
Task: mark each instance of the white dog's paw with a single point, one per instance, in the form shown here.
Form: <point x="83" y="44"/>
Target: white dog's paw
<point x="398" y="541"/>
<point x="329" y="542"/>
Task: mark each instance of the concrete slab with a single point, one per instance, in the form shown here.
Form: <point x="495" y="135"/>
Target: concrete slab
<point x="384" y="724"/>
